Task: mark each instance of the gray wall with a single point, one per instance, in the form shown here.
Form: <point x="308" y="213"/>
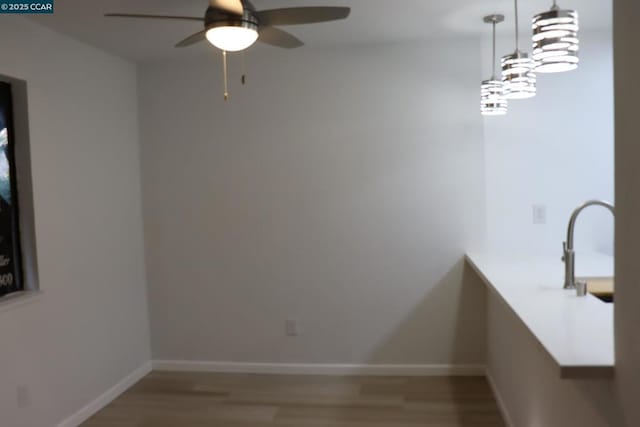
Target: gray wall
<point x="340" y="188"/>
<point x="626" y="36"/>
<point x="89" y="328"/>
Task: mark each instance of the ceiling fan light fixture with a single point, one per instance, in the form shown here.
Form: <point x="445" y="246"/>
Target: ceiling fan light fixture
<point x="232" y="38"/>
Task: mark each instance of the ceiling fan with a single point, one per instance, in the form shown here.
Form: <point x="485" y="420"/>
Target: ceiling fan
<point x="235" y="25"/>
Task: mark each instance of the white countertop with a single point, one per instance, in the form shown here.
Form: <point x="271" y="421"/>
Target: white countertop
<point x="576" y="331"/>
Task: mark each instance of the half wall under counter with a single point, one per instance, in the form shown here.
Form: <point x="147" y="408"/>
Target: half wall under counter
<point x="576" y="332"/>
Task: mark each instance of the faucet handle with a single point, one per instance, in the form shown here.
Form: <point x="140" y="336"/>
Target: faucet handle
<point x="564" y="251"/>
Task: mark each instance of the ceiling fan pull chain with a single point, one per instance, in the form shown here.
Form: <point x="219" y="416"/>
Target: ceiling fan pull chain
<point x="243" y="79"/>
<point x="224" y="73"/>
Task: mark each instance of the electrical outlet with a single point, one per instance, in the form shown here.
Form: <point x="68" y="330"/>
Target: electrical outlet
<point x="291" y="328"/>
<point x="23" y="397"/>
<point x="539" y="214"/>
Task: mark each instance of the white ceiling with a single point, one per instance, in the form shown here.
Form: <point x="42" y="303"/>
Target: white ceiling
<point x="371" y="21"/>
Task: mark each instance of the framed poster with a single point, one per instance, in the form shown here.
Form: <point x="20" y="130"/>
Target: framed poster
<point x="10" y="254"/>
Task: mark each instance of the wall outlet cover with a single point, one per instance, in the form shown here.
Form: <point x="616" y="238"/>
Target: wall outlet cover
<point x="291" y="328"/>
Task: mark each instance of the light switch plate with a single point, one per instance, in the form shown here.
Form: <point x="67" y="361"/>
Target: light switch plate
<point x="539" y="214"/>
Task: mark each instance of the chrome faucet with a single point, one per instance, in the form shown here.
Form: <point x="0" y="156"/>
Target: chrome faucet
<point x="569" y="256"/>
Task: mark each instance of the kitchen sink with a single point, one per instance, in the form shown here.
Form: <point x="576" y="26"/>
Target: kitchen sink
<point x="600" y="287"/>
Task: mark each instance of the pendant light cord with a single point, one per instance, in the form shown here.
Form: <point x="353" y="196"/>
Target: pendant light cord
<point x="225" y="76"/>
<point x="243" y="79"/>
<point x="493" y="62"/>
<point x="517" y="28"/>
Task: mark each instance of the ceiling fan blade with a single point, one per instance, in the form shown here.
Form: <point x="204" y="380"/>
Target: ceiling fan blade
<point x="230" y="6"/>
<point x="133" y="15"/>
<point x="193" y="39"/>
<point x="301" y="15"/>
<point x="278" y="38"/>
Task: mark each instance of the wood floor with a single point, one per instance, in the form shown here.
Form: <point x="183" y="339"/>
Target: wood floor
<point x="168" y="399"/>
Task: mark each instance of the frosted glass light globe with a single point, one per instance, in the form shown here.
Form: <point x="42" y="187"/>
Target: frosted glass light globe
<point x="232" y="39"/>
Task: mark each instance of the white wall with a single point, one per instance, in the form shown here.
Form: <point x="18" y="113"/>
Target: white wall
<point x="554" y="150"/>
<point x="529" y="384"/>
<point x="515" y="359"/>
<point x="89" y="328"/>
<point x="338" y="178"/>
<point x="340" y="188"/>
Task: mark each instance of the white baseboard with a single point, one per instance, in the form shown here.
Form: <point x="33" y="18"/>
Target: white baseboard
<point x="107" y="397"/>
<point x="318" y="369"/>
<point x="501" y="405"/>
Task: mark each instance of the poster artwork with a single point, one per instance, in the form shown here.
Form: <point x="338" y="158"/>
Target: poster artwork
<point x="10" y="277"/>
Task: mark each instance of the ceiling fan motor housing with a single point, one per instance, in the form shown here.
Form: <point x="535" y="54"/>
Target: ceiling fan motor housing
<point x="218" y="18"/>
<point x="235" y="25"/>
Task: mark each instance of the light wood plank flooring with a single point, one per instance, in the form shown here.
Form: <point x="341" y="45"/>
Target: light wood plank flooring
<point x="171" y="399"/>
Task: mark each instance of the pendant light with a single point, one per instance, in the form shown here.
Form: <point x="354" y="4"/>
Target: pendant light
<point x="555" y="40"/>
<point x="492" y="100"/>
<point x="517" y="71"/>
